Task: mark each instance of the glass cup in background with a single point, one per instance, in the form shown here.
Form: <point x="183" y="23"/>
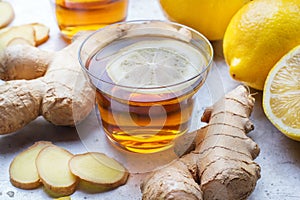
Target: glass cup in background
<point x="77" y="15"/>
<point x="146" y="75"/>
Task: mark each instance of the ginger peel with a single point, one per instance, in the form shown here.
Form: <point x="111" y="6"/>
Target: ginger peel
<point x="221" y="165"/>
<point x="39" y="82"/>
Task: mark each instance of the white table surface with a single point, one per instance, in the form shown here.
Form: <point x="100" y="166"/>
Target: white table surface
<point x="279" y="158"/>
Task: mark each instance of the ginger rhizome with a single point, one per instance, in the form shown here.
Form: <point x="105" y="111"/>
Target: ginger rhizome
<point x="221" y="166"/>
<point x="39" y="82"/>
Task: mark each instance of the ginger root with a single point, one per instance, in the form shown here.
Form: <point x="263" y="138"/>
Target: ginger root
<point x="52" y="85"/>
<point x="221" y="166"/>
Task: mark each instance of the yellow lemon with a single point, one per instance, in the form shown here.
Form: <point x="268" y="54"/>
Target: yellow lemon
<point x="258" y="35"/>
<point x="281" y="97"/>
<point x="210" y="17"/>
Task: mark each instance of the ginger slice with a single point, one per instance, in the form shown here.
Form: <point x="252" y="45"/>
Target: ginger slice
<point x="18" y="40"/>
<point x="41" y="33"/>
<point x="22" y="170"/>
<point x="26" y="32"/>
<point x="7" y="13"/>
<point x="63" y="198"/>
<point x="53" y="169"/>
<point x="98" y="170"/>
<point x="34" y="33"/>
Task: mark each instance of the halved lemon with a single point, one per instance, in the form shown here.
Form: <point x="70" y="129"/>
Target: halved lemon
<point x="281" y="97"/>
<point x="156" y="64"/>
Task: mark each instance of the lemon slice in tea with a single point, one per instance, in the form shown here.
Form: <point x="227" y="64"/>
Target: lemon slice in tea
<point x="156" y="64"/>
<point x="281" y="98"/>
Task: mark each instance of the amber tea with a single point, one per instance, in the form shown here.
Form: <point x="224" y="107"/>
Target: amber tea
<point x="145" y="89"/>
<point x="75" y="15"/>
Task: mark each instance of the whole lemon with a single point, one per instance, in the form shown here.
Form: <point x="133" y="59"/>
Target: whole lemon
<point x="258" y="35"/>
<point x="210" y="17"/>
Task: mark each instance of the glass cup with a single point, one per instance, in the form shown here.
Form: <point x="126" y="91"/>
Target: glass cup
<point x="77" y="15"/>
<point x="146" y="75"/>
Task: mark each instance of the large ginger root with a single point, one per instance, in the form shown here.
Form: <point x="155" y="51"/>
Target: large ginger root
<point x="52" y="85"/>
<point x="221" y="166"/>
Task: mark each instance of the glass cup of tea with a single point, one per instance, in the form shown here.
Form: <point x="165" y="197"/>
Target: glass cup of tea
<point x="146" y="75"/>
<point x="78" y="15"/>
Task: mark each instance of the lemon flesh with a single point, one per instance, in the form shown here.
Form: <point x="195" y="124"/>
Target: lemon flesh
<point x="258" y="35"/>
<point x="156" y="64"/>
<point x="281" y="98"/>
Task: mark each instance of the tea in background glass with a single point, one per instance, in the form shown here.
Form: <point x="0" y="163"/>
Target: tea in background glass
<point x="146" y="75"/>
<point x="76" y="15"/>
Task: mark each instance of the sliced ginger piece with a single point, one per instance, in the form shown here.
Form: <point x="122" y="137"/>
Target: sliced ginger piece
<point x="63" y="198"/>
<point x="23" y="172"/>
<point x="7" y="13"/>
<point x="53" y="169"/>
<point x="41" y="33"/>
<point x="18" y="40"/>
<point x="2" y="30"/>
<point x="98" y="170"/>
<point x="34" y="33"/>
<point x="26" y="32"/>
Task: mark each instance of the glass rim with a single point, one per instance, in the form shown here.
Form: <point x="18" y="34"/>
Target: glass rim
<point x="203" y="38"/>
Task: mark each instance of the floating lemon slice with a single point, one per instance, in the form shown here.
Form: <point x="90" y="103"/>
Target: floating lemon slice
<point x="156" y="64"/>
<point x="281" y="98"/>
